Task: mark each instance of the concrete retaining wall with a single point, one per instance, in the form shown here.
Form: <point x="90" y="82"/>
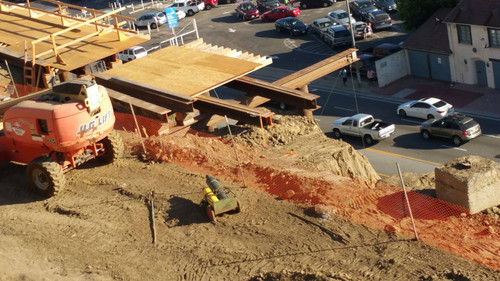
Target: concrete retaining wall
<point x="471" y="181"/>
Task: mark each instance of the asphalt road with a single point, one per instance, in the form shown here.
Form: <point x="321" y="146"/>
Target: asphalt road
<point x="221" y="27"/>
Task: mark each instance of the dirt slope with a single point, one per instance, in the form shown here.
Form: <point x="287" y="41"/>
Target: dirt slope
<point x="99" y="228"/>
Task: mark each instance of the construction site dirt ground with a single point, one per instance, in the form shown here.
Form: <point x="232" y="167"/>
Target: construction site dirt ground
<point x="100" y="228"/>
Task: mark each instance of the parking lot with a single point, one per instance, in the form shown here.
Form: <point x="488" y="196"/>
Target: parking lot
<point x="220" y="26"/>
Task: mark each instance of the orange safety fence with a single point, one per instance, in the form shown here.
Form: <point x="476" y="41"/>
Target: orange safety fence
<point x="439" y="224"/>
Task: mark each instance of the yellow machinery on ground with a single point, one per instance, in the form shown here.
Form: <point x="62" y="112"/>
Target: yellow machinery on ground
<point x="216" y="199"/>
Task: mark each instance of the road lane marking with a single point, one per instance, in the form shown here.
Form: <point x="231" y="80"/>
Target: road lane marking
<point x="457" y="148"/>
<point x="383" y="175"/>
<point x="343" y="108"/>
<point x="492" y="136"/>
<point x="402" y="156"/>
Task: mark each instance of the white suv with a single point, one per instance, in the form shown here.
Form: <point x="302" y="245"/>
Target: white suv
<point x="132" y="53"/>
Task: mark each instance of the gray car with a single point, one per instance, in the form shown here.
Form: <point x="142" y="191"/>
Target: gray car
<point x="459" y="128"/>
<point x="153" y="20"/>
<point x="320" y="26"/>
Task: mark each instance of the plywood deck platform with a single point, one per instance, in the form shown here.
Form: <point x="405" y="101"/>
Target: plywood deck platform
<point x="187" y="70"/>
<point x="18" y="28"/>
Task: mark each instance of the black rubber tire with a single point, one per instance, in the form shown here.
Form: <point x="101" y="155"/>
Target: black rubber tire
<point x="46" y="177"/>
<point x="368" y="140"/>
<point x="190" y="13"/>
<point x="153" y="25"/>
<point x="113" y="148"/>
<point x="303" y="6"/>
<point x="402" y="113"/>
<point x="325" y="4"/>
<point x="430" y="116"/>
<point x="425" y="135"/>
<point x="278" y="29"/>
<point x="337" y="134"/>
<point x="208" y="7"/>
<point x="457" y="140"/>
<point x="211" y="214"/>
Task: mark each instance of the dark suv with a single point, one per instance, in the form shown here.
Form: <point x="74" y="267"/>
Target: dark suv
<point x="459" y="128"/>
<point x="306" y="4"/>
<point x="359" y="8"/>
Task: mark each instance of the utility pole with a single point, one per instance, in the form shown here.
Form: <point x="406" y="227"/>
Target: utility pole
<point x="350" y="25"/>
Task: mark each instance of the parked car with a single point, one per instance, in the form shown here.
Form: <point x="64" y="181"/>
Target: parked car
<point x="280" y="12"/>
<point x="359" y="30"/>
<point x="364" y="63"/>
<point x="180" y="14"/>
<point x="153" y="20"/>
<point x="247" y="10"/>
<point x="362" y="125"/>
<point x="426" y="108"/>
<point x="385" y="49"/>
<point x="209" y="4"/>
<point x="189" y="7"/>
<point x="379" y="20"/>
<point x="291" y="25"/>
<point x="267" y="5"/>
<point x="306" y="4"/>
<point x="320" y="26"/>
<point x="340" y="17"/>
<point x="337" y="36"/>
<point x="459" y="128"/>
<point x="386" y="5"/>
<point x="359" y="8"/>
<point x="132" y="53"/>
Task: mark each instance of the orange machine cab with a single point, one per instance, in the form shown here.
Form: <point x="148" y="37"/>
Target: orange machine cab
<point x="61" y="124"/>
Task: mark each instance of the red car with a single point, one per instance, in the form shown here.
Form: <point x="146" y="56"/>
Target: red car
<point x="247" y="11"/>
<point x="280" y="12"/>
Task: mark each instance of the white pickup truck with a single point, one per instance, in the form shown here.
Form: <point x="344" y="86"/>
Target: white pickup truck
<point x="362" y="125"/>
<point x="189" y="7"/>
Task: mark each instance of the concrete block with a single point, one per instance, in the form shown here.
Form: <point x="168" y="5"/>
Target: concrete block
<point x="470" y="181"/>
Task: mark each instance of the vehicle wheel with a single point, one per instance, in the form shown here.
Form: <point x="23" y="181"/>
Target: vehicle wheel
<point x="430" y="116"/>
<point x="190" y="13"/>
<point x="425" y="134"/>
<point x="291" y="32"/>
<point x="136" y="26"/>
<point x="282" y="104"/>
<point x="153" y="25"/>
<point x="278" y="29"/>
<point x="303" y="6"/>
<point x="325" y="4"/>
<point x="368" y="139"/>
<point x="337" y="134"/>
<point x="46" y="177"/>
<point x="208" y="7"/>
<point x="113" y="148"/>
<point x="211" y="214"/>
<point x="402" y="113"/>
<point x="457" y="140"/>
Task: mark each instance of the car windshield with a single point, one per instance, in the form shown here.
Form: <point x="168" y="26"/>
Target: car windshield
<point x="289" y="8"/>
<point x="365" y="5"/>
<point x="342" y="15"/>
<point x="385" y="1"/>
<point x="325" y="24"/>
<point x="295" y="22"/>
<point x="381" y="17"/>
<point x="247" y="7"/>
<point x="439" y="104"/>
<point x="139" y="51"/>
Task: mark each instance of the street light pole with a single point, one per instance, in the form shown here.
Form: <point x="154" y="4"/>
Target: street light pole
<point x="349" y="24"/>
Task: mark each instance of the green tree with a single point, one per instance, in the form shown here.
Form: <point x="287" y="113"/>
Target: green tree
<point x="415" y="12"/>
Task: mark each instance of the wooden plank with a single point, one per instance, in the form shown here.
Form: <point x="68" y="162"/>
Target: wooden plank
<point x="318" y="70"/>
<point x="18" y="27"/>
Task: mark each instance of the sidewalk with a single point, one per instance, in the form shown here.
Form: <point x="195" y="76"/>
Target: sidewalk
<point x="465" y="98"/>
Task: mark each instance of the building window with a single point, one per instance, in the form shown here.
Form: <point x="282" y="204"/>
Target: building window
<point x="464" y="34"/>
<point x="494" y="37"/>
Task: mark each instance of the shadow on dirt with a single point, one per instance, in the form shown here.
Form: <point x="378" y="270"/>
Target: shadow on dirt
<point x="184" y="212"/>
<point x="14" y="186"/>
